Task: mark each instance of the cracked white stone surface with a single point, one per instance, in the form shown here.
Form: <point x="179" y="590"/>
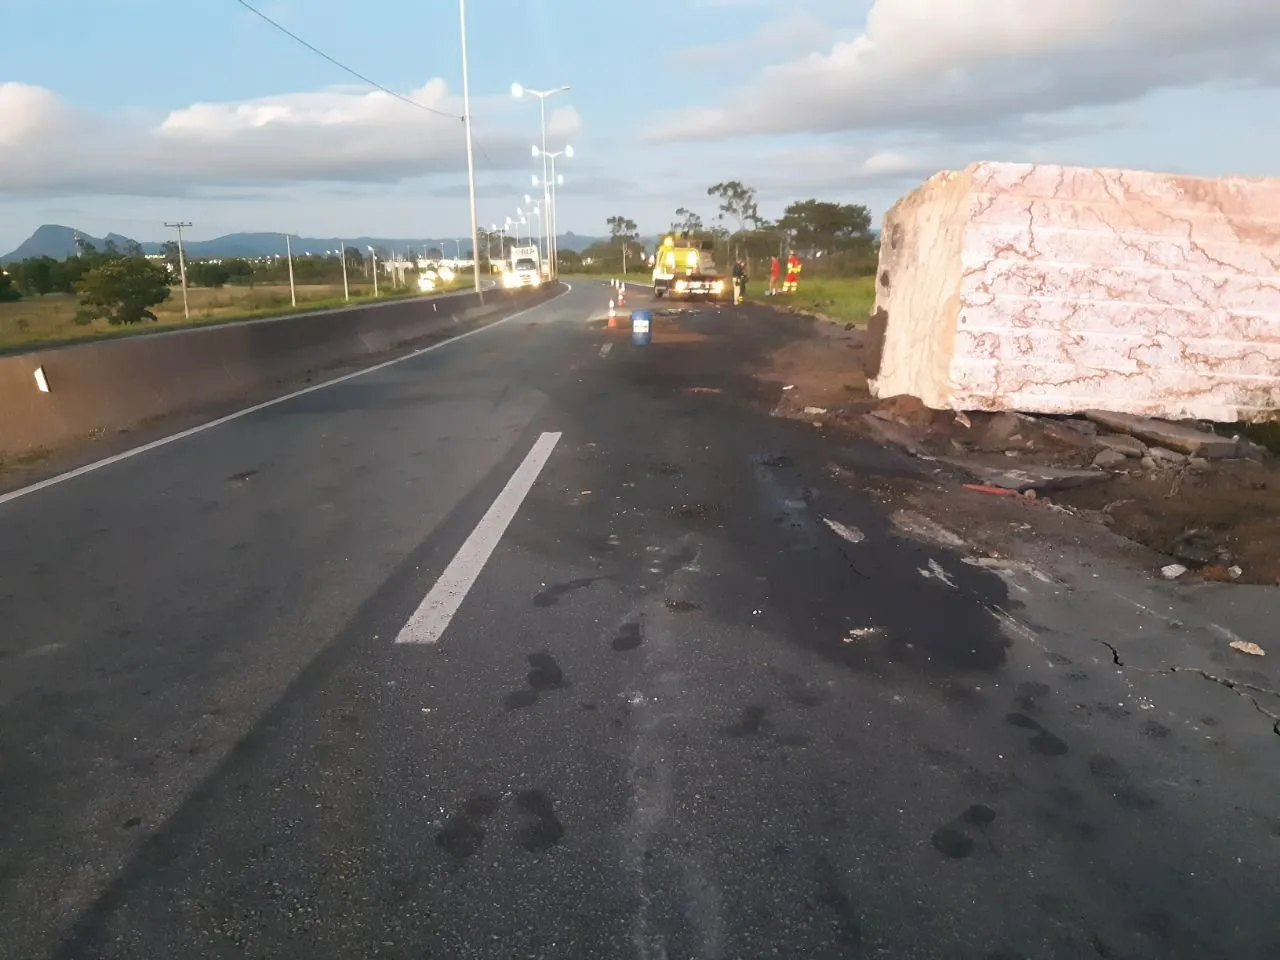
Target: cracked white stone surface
<point x="1056" y="289"/>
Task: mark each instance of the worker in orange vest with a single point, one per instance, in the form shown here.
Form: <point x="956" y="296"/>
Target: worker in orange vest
<point x="792" y="283"/>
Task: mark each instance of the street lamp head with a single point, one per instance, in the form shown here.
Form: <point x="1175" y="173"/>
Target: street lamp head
<point x="568" y="151"/>
<point x="517" y="90"/>
<point x="519" y="211"/>
<point x="536" y="152"/>
<point x="535" y="179"/>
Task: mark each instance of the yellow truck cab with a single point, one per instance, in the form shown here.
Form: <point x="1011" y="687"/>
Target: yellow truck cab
<point x="685" y="269"/>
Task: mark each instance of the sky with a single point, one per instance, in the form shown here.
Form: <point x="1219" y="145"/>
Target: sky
<point x="136" y="112"/>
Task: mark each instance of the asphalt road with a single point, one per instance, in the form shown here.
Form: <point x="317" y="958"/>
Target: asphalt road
<point x="677" y="714"/>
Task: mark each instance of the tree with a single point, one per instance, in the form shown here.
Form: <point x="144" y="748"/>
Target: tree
<point x="737" y="203"/>
<point x="435" y="253"/>
<point x="687" y="221"/>
<point x="36" y="276"/>
<point x="8" y="292"/>
<point x="134" y="249"/>
<point x="621" y="229"/>
<point x="203" y="273"/>
<point x="123" y="290"/>
<point x="824" y="227"/>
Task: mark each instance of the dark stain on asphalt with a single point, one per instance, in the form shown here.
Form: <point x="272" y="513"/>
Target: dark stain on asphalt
<point x="662" y="468"/>
<point x="464" y="833"/>
<point x="519" y="699"/>
<point x="673" y="562"/>
<point x="979" y="815"/>
<point x="550" y="596"/>
<point x="131" y="823"/>
<point x="1044" y="741"/>
<point x="238" y="479"/>
<point x="546" y="673"/>
<point x="544" y="830"/>
<point x="749" y="725"/>
<point x="681" y="606"/>
<point x="1155" y="730"/>
<point x="1029" y="694"/>
<point x="800" y="692"/>
<point x="630" y="636"/>
<point x="952" y="841"/>
<point x="775" y="461"/>
<point x="1117" y="783"/>
<point x="831" y="894"/>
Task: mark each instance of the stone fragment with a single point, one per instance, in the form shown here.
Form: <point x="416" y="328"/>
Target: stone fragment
<point x="1129" y="446"/>
<point x="1110" y="459"/>
<point x="1172" y="436"/>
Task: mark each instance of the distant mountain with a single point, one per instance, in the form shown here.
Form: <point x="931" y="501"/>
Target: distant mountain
<point x="59" y="242"/>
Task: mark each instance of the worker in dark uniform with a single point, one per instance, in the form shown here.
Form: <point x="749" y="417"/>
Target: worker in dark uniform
<point x="739" y="281"/>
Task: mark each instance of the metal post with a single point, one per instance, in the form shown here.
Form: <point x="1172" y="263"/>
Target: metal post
<point x="288" y="252"/>
<point x="471" y="163"/>
<point x="182" y="264"/>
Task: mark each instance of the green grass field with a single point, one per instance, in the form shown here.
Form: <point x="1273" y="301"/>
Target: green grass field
<point x="46" y="321"/>
<point x="842" y="299"/>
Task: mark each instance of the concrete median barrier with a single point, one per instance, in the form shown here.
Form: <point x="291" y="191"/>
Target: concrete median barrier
<point x="50" y="397"/>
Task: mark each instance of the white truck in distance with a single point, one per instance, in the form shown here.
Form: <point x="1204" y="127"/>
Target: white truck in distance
<point x="525" y="269"/>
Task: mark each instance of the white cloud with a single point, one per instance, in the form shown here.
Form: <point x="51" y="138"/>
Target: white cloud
<point x="924" y="63"/>
<point x="801" y="30"/>
<point x="337" y="134"/>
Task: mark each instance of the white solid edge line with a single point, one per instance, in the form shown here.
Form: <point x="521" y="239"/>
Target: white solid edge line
<point x="200" y="428"/>
<point x="433" y="615"/>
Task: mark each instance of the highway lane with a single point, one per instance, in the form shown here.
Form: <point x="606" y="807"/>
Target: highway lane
<point x="678" y="714"/>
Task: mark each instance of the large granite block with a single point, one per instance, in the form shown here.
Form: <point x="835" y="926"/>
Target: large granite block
<point x="1059" y="289"/>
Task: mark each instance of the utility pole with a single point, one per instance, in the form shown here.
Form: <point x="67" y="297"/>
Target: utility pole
<point x="182" y="264"/>
<point x="342" y="254"/>
<point x="288" y="252"/>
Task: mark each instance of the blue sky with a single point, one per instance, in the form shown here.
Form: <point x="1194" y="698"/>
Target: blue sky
<point x="151" y="110"/>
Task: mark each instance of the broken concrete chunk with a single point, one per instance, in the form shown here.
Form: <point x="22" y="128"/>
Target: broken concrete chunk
<point x="1172" y="571"/>
<point x="1171" y="436"/>
<point x="1167" y="456"/>
<point x="887" y="431"/>
<point x="1247" y="646"/>
<point x="1110" y="459"/>
<point x="1129" y="446"/>
<point x="1028" y="478"/>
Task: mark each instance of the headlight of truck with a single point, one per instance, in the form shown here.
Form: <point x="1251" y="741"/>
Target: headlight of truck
<point x="510" y="279"/>
<point x="717" y="286"/>
<point x="680" y="284"/>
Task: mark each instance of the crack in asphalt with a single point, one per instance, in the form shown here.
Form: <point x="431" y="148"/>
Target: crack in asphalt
<point x="1238" y="687"/>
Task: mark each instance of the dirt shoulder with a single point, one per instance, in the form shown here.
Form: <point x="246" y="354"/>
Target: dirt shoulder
<point x="1217" y="517"/>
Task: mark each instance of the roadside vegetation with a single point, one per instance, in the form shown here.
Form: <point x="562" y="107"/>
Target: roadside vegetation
<point x="97" y="294"/>
<point x="835" y="242"/>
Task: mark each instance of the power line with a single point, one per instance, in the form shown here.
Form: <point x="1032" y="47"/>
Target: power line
<point x="342" y="66"/>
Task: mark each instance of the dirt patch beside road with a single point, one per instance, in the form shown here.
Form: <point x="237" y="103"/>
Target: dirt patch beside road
<point x="1219" y="518"/>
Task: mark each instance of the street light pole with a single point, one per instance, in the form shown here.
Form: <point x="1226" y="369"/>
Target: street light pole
<point x="471" y="162"/>
<point x="374" y="254"/>
<point x="542" y="95"/>
<point x="552" y="182"/>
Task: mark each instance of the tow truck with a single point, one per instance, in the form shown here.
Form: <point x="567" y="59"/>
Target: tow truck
<point x="685" y="269"/>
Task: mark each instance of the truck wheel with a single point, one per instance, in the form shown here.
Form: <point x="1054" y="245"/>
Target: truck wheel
<point x="658" y="292"/>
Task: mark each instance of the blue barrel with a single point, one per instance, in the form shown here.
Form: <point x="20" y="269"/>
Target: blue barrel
<point x="641" y="327"/>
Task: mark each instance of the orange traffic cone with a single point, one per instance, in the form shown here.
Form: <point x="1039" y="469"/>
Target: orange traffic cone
<point x="613" y="314"/>
<point x="622" y="293"/>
